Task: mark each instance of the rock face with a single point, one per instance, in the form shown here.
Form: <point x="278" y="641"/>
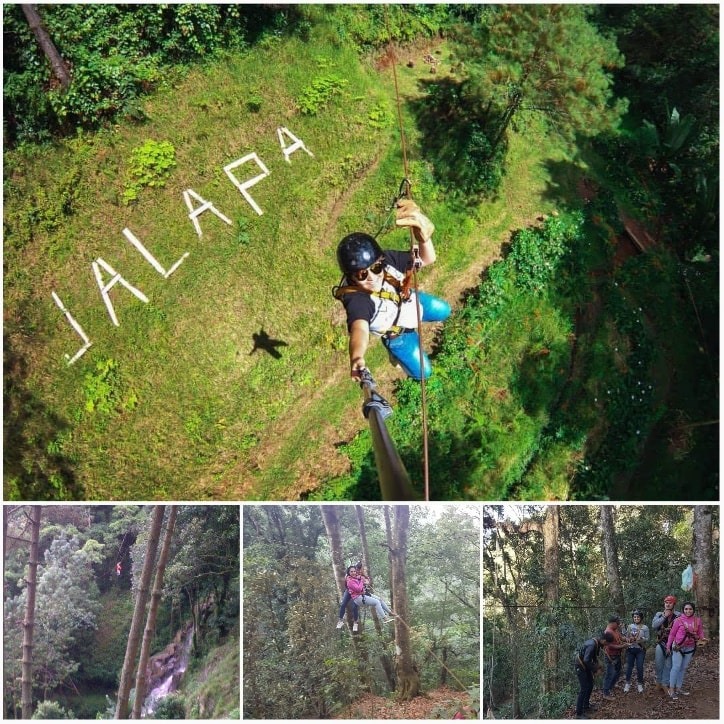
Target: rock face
<point x="169" y="663"/>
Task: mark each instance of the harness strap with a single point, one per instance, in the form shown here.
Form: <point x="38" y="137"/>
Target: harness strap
<point x="401" y="295"/>
<point x="339" y="292"/>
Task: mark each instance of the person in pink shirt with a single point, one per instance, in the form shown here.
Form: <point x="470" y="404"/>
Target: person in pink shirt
<point x="356" y="588"/>
<point x="685" y="632"/>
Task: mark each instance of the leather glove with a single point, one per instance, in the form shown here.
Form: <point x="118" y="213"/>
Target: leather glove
<point x="409" y="214"/>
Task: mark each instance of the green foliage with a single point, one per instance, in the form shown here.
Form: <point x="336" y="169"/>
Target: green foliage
<point x="103" y="389"/>
<point x="318" y="94"/>
<point x="150" y="166"/>
<point x="546" y="59"/>
<point x="51" y="710"/>
<point x="172" y="706"/>
<point x="466" y="161"/>
<point x="117" y="53"/>
<point x="372" y="26"/>
<point x="536" y="253"/>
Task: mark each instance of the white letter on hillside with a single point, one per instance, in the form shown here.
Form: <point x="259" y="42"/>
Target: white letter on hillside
<point x="205" y="206"/>
<point x="289" y="150"/>
<point x="115" y="278"/>
<point x="86" y="342"/>
<point x="247" y="184"/>
<point x="150" y="258"/>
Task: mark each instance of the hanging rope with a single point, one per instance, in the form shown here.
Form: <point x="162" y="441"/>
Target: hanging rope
<point x="415" y="265"/>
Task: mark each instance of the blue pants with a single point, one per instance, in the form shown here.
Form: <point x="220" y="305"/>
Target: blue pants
<point x="679" y="662"/>
<point x="613" y="671"/>
<point x="368" y="600"/>
<point x="635" y="656"/>
<point x="585" y="682"/>
<point x="663" y="666"/>
<point x="406" y="347"/>
<point x="343" y="606"/>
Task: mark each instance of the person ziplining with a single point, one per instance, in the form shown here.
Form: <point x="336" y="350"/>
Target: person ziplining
<point x="347" y="599"/>
<point x="358" y="591"/>
<point x="375" y="291"/>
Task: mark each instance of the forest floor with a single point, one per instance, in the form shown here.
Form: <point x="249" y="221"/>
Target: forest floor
<point x="440" y="703"/>
<point x="702" y="680"/>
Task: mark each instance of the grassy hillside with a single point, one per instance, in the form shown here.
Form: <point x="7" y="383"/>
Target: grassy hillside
<point x="173" y="403"/>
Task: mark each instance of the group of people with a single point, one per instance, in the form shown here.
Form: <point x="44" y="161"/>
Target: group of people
<point x="677" y="633"/>
<point x="358" y="591"/>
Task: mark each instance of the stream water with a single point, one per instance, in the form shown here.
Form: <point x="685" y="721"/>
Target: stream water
<point x="169" y="684"/>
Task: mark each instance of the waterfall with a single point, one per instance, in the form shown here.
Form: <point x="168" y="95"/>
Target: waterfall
<point x="170" y="682"/>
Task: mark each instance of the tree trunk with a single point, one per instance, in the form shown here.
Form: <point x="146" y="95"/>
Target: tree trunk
<point x="610" y="553"/>
<point x="408" y="677"/>
<point x="704" y="569"/>
<point x="551" y="591"/>
<point x="60" y="69"/>
<point x="26" y="687"/>
<point x="384" y="658"/>
<point x="331" y="525"/>
<point x="134" y="636"/>
<point x="150" y="630"/>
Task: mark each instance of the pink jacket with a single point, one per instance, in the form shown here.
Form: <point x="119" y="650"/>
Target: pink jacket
<point x="685" y="632"/>
<point x="355" y="586"/>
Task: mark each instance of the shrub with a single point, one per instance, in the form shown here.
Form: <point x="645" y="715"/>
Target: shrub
<point x="51" y="710"/>
<point x="171" y="707"/>
<point x="319" y="93"/>
<point x="151" y="165"/>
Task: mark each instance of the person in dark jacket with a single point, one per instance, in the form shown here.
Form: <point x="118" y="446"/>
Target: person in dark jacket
<point x="586" y="664"/>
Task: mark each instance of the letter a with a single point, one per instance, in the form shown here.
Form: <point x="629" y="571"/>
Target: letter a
<point x="289" y="150"/>
<point x="115" y="279"/>
<point x="205" y="206"/>
<point x="247" y="184"/>
<point x="86" y="342"/>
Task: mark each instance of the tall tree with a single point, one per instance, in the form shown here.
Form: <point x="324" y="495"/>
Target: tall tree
<point x="549" y="528"/>
<point x="29" y="621"/>
<point x="610" y="554"/>
<point x="331" y="525"/>
<point x="384" y="658"/>
<point x="701" y="556"/>
<point x="546" y="59"/>
<point x="134" y="636"/>
<point x="150" y="629"/>
<point x="407" y="674"/>
<point x="60" y="69"/>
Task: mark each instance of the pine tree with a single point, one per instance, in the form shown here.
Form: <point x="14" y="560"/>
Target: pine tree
<point x="546" y="59"/>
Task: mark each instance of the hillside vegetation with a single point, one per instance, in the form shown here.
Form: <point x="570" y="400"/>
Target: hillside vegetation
<point x="231" y="381"/>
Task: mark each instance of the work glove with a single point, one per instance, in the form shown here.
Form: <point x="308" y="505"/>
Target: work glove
<point x="409" y="214"/>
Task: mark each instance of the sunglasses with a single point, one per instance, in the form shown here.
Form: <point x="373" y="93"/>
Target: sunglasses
<point x="361" y="274"/>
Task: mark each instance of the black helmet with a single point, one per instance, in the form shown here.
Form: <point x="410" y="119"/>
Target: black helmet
<point x="357" y="251"/>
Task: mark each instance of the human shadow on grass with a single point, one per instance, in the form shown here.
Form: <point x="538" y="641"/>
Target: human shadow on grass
<point x="265" y="343"/>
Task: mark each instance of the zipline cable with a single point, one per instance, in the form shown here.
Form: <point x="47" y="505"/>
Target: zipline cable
<point x="415" y="253"/>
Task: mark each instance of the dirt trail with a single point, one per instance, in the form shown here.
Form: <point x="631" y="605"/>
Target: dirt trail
<point x="440" y="703"/>
<point x="702" y="680"/>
